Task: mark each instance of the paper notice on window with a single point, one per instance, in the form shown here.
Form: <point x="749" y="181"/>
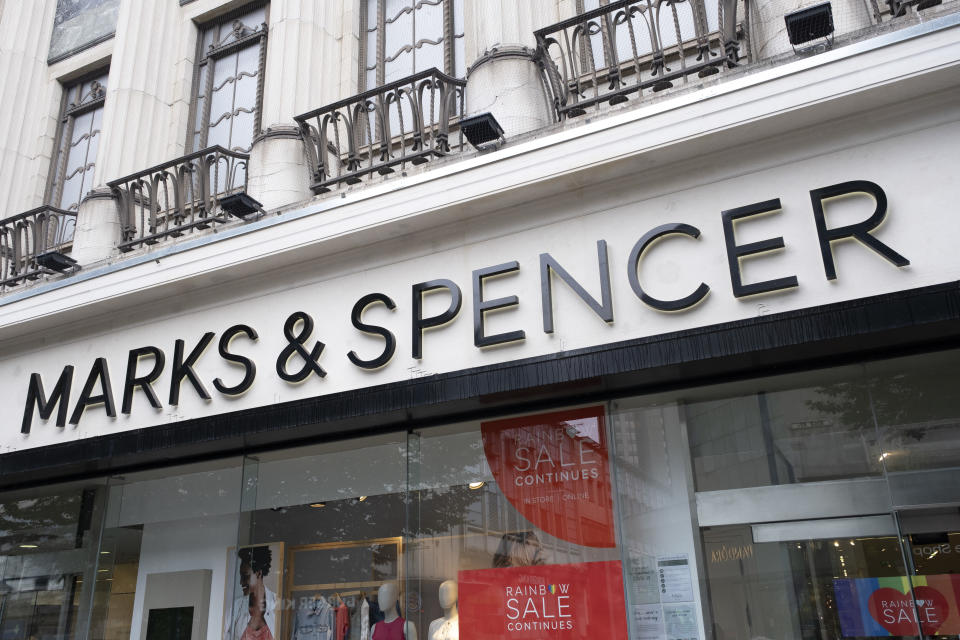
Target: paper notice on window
<point x="673" y="575"/>
<point x="680" y="621"/>
<point x="648" y="622"/>
<point x="644" y="579"/>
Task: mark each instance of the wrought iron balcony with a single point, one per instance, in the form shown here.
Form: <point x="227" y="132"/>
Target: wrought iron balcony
<point x="26" y="236"/>
<point x="402" y="123"/>
<point x="177" y="197"/>
<point x="632" y="46"/>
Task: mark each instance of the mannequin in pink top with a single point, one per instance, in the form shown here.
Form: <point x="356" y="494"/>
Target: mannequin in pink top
<point x="393" y="627"/>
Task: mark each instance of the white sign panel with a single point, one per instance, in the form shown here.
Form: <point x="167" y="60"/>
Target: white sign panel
<point x="838" y="226"/>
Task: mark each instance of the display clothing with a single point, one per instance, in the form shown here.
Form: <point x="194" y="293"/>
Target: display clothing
<point x="365" y="619"/>
<point x="444" y="629"/>
<point x="376" y="613"/>
<point x="342" y="621"/>
<point x="390" y="630"/>
<point x="241" y="616"/>
<point x="314" y="621"/>
<point x="263" y="633"/>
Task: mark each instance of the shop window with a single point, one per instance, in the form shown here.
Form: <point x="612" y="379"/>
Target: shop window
<point x="50" y="582"/>
<point x="401" y="37"/>
<point x="332" y="518"/>
<point x="516" y="517"/>
<point x="78" y="139"/>
<point x="228" y="84"/>
<point x="624" y="519"/>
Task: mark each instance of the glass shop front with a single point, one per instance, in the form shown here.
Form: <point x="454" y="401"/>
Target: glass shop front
<point x="813" y="505"/>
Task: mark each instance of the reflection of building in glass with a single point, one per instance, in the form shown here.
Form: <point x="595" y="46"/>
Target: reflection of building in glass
<point x="79" y="24"/>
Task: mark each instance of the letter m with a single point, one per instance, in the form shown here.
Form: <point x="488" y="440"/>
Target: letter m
<point x="36" y="397"/>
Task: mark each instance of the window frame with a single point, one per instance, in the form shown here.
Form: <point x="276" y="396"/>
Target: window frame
<point x="449" y="44"/>
<point x="215" y="52"/>
<point x="66" y="119"/>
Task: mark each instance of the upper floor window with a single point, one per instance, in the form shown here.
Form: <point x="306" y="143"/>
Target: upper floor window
<point x="78" y="138"/>
<point x="228" y="86"/>
<point x="402" y="37"/>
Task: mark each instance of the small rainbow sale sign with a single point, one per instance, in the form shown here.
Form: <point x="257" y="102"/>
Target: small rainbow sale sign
<point x="886" y="607"/>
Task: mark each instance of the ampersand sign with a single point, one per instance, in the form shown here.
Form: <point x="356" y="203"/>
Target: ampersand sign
<point x="311" y="359"/>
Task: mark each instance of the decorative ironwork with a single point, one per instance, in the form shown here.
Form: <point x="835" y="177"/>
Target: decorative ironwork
<point x="177" y="197"/>
<point x="631" y="46"/>
<point x="27" y="235"/>
<point x="404" y="122"/>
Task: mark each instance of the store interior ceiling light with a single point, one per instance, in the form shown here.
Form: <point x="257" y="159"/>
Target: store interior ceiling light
<point x="29" y="546"/>
<point x="476" y="485"/>
<point x="809" y="24"/>
<point x="318" y="505"/>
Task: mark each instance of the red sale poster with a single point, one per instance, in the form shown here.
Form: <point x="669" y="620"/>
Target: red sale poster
<point x="896" y="606"/>
<point x="564" y="601"/>
<point x="554" y="470"/>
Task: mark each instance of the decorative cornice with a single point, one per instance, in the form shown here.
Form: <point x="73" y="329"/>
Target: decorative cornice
<point x="278" y="131"/>
<point x="500" y="52"/>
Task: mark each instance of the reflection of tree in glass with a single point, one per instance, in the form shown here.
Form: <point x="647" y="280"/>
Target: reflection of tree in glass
<point x="905" y="400"/>
<point x="45" y="521"/>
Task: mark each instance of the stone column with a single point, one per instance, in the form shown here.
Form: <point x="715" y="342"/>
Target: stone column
<point x="137" y="117"/>
<point x="29" y="104"/>
<point x="304" y="69"/>
<point x="278" y="174"/>
<point x="769" y="30"/>
<point x="503" y="76"/>
<point x="137" y="113"/>
<point x="97" y="233"/>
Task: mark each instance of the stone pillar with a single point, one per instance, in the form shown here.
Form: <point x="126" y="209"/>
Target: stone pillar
<point x="29" y="104"/>
<point x="97" y="233"/>
<point x="279" y="174"/>
<point x="304" y="71"/>
<point x="137" y="112"/>
<point x="769" y="30"/>
<point x="136" y="118"/>
<point x="503" y="76"/>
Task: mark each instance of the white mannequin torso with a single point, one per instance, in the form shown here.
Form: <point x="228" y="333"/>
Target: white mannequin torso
<point x="446" y="628"/>
<point x="388" y="593"/>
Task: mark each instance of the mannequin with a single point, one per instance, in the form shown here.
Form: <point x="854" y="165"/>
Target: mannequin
<point x="393" y="627"/>
<point x="447" y="627"/>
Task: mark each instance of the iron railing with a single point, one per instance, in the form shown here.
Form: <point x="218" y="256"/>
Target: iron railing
<point x="27" y="235"/>
<point x="177" y="197"/>
<point x="400" y="123"/>
<point x="631" y="46"/>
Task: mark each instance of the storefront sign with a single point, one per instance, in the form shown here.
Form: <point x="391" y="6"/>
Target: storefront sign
<point x="885" y="607"/>
<point x="564" y="601"/>
<point x="319" y="338"/>
<point x="554" y="470"/>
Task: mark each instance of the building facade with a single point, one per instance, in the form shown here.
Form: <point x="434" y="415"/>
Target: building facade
<point x="478" y="319"/>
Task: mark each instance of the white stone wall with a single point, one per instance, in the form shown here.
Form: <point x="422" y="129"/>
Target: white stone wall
<point x="312" y="60"/>
<point x="28" y="104"/>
